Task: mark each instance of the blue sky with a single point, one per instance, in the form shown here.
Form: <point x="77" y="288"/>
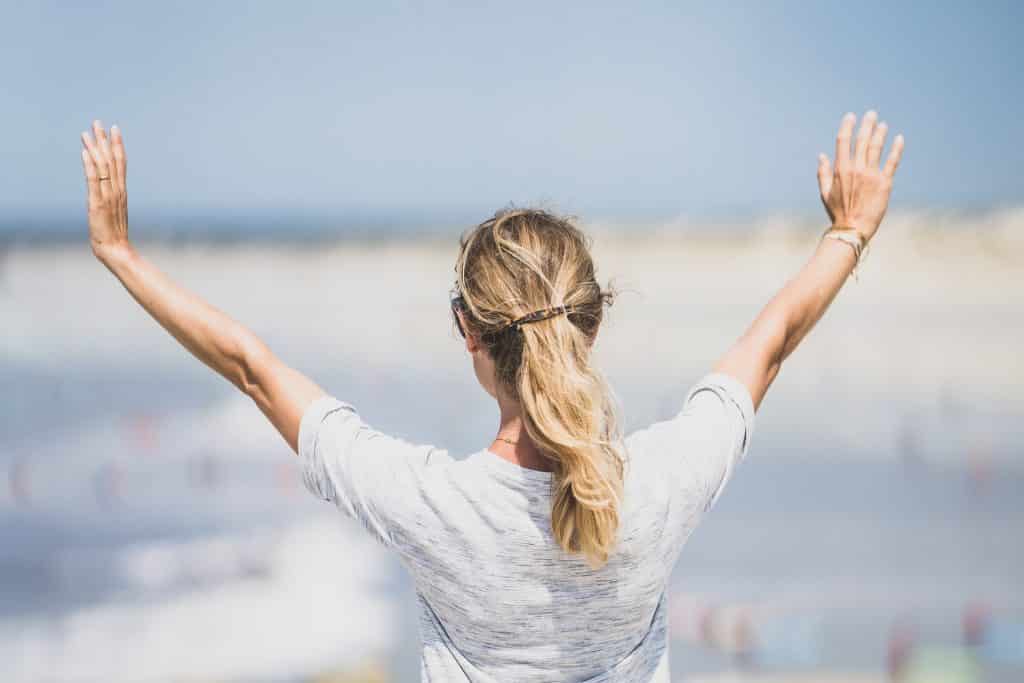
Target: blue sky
<point x="638" y="108"/>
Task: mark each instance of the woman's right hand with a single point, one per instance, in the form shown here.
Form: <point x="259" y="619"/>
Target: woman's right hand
<point x="104" y="163"/>
<point x="856" y="191"/>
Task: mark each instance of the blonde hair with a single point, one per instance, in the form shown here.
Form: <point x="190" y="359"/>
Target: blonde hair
<point x="525" y="260"/>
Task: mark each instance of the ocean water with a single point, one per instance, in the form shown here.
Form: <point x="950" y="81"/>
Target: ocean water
<point x="154" y="526"/>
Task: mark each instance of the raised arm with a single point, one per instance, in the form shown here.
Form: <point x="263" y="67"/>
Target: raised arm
<point x="856" y="195"/>
<point x="280" y="392"/>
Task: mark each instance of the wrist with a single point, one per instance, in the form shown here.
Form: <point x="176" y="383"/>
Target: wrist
<point x="866" y="232"/>
<point x="114" y="256"/>
<point x="851" y="237"/>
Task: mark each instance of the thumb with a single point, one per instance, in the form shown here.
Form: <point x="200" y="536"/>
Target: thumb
<point x="824" y="176"/>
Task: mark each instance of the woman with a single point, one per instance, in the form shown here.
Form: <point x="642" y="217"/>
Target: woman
<point x="545" y="555"/>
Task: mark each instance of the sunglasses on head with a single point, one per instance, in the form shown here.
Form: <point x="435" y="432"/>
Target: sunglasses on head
<point x="458" y="305"/>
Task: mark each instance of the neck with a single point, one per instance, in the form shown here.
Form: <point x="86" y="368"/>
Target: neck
<point x="523" y="453"/>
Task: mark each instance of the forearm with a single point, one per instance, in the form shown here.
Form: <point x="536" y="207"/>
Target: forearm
<point x="856" y="195"/>
<point x="211" y="336"/>
<point x="800" y="304"/>
<point x="282" y="393"/>
<point x="756" y="358"/>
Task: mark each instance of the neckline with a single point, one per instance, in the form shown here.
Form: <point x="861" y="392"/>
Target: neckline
<point x="496" y="461"/>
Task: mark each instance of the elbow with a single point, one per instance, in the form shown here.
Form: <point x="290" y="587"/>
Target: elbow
<point x="778" y="339"/>
<point x="775" y="350"/>
<point x="251" y="359"/>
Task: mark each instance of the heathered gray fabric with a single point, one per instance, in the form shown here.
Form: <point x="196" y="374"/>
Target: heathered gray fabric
<point x="498" y="599"/>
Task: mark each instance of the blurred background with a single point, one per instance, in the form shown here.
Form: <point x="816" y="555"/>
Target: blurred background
<point x="308" y="168"/>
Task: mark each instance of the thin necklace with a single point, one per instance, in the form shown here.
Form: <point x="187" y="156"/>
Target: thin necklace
<point x="501" y="438"/>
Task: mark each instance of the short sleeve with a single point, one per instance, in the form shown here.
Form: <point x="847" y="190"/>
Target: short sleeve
<point x="699" y="448"/>
<point x="724" y="405"/>
<point x="370" y="476"/>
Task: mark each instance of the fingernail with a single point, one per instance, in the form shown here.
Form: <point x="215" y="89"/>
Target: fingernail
<point x="114" y="127"/>
<point x="871" y="112"/>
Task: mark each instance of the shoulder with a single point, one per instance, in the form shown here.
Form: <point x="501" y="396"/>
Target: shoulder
<point x="709" y="433"/>
<point x="717" y="401"/>
<point x="337" y="447"/>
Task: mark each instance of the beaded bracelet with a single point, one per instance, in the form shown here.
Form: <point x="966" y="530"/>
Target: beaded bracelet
<point x="854" y="238"/>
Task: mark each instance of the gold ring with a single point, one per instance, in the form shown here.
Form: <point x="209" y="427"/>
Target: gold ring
<point x="104" y="177"/>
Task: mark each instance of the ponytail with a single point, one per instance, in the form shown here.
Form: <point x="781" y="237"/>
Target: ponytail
<point x="568" y="413"/>
<point x="514" y="264"/>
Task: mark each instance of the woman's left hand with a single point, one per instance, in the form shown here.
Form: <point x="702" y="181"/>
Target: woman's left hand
<point x="104" y="162"/>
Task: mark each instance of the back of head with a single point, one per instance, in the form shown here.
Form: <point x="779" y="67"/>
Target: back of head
<point x="523" y="261"/>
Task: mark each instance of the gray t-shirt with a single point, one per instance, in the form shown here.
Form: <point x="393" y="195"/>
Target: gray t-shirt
<point x="498" y="599"/>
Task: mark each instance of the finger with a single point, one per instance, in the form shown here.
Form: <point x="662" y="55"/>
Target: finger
<point x="102" y="168"/>
<point x="867" y="129"/>
<point x="824" y="176"/>
<point x="90" y="147"/>
<point x="92" y="183"/>
<point x="120" y="159"/>
<point x="96" y="154"/>
<point x="103" y="145"/>
<point x="843" y="141"/>
<point x="876" y="145"/>
<point x="895" y="154"/>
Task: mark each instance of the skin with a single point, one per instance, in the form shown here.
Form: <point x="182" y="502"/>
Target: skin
<point x="855" y="191"/>
<point x="510" y="425"/>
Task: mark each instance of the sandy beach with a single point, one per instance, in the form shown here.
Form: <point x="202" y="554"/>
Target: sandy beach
<point x="151" y="510"/>
<point x="935" y="319"/>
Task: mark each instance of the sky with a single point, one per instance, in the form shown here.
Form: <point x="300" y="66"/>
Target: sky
<point x="399" y="108"/>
